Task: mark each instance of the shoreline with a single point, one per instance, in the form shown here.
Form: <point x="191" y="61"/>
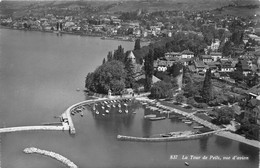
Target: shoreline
<point x="102" y="37"/>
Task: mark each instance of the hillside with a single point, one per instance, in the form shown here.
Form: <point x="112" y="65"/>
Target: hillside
<point x="112" y="6"/>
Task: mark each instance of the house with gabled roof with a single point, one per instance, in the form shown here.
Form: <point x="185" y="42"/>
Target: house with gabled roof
<point x="200" y="66"/>
<point x="187" y="54"/>
<point x="216" y="55"/>
<point x="206" y="58"/>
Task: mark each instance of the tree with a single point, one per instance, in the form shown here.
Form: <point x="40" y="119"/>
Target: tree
<point x="161" y="89"/>
<point x="179" y="98"/>
<point x="119" y="54"/>
<point x="190" y="89"/>
<point x="207" y="92"/>
<point x="129" y="69"/>
<point x="104" y="61"/>
<point x="175" y="70"/>
<point x="148" y="67"/>
<point x="137" y="44"/>
<point x="227" y="48"/>
<point x="89" y="81"/>
<point x="109" y="56"/>
<point x="224" y="115"/>
<point x="110" y="75"/>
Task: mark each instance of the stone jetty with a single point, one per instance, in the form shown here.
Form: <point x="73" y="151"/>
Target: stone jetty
<point x="51" y="154"/>
<point x="166" y="139"/>
<point x="32" y="128"/>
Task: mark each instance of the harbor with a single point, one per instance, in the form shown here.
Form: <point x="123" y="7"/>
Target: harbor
<point x="40" y="87"/>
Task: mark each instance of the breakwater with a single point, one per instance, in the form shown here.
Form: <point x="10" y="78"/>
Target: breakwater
<point x="165" y="139"/>
<point x="32" y="128"/>
<point x="51" y="154"/>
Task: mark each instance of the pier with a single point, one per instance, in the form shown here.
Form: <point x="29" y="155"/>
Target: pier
<point x="32" y="128"/>
<point x="167" y="139"/>
<point x="51" y="154"/>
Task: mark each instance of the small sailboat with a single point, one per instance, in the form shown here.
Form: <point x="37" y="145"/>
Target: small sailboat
<point x="103" y="114"/>
<point x="126" y="111"/>
<point x="81" y="113"/>
<point x="108" y="106"/>
<point x="113" y="105"/>
<point x="120" y="111"/>
<point x="186" y="163"/>
<point x="107" y="111"/>
<point x="119" y="105"/>
<point x="103" y="107"/>
<point x="97" y="112"/>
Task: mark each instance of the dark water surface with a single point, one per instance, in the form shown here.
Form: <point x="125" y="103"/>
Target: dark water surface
<point x="39" y="75"/>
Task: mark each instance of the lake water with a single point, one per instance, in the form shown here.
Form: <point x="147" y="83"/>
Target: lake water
<point x="39" y="75"/>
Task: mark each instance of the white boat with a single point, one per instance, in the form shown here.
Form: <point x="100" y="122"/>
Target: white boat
<point x="125" y="104"/>
<point x="97" y="112"/>
<point x="119" y="105"/>
<point x="126" y="111"/>
<point x="186" y="163"/>
<point x="120" y="111"/>
<point x="188" y="122"/>
<point x="198" y="127"/>
<point x="107" y="111"/>
<point x="103" y="114"/>
<point x="103" y="107"/>
<point x="150" y="116"/>
<point x="94" y="107"/>
<point x="108" y="106"/>
<point x="113" y="105"/>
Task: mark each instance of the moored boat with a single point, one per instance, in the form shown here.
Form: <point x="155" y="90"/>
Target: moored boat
<point x="81" y="113"/>
<point x="186" y="163"/>
<point x="157" y="118"/>
<point x="150" y="116"/>
<point x="198" y="127"/>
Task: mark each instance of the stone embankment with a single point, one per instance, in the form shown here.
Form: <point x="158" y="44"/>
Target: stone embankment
<point x="51" y="154"/>
<point x="166" y="139"/>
